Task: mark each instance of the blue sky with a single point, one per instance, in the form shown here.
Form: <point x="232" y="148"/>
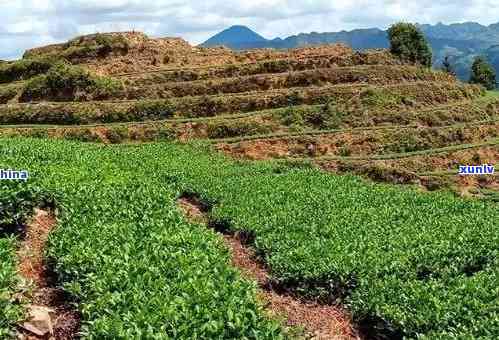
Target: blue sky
<point x="28" y="23"/>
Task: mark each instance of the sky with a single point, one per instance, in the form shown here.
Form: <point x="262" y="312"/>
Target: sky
<point x="29" y="23"/>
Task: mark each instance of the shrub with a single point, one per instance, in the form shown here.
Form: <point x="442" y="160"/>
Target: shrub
<point x="378" y="98"/>
<point x="116" y="135"/>
<point x="483" y="73"/>
<point x="155" y="109"/>
<point x="292" y="117"/>
<point x="24" y="69"/>
<point x="236" y="129"/>
<point x="295" y="98"/>
<point x="7" y="93"/>
<point x="81" y="135"/>
<point x="344" y="151"/>
<point x="68" y="82"/>
<point x="409" y="44"/>
<point x="105" y="88"/>
<point x="327" y="117"/>
<point x="433" y="183"/>
<point x="99" y="45"/>
<point x="65" y="76"/>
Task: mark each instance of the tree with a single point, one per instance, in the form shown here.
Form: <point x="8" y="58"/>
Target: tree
<point x="482" y="73"/>
<point x="447" y="66"/>
<point x="409" y="44"/>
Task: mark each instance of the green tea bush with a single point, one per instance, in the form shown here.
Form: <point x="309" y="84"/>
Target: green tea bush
<point x="8" y="281"/>
<point x="16" y="203"/>
<point x="408" y="264"/>
<point x="149" y="273"/>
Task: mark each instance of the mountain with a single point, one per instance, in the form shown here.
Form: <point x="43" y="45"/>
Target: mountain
<point x="237" y="37"/>
<point x="357" y="39"/>
<point x="464" y="31"/>
<point x="243" y="38"/>
<point x="461" y="41"/>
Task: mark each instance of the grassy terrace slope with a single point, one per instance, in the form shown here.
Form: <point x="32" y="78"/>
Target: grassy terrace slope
<point x="421" y="93"/>
<point x="363" y="142"/>
<point x="406" y="263"/>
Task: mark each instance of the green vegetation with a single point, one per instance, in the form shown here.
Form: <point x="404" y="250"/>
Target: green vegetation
<point x="95" y="46"/>
<point x="406" y="95"/>
<point x="158" y="109"/>
<point x="408" y="43"/>
<point x="145" y="250"/>
<point x="16" y="203"/>
<point x="492" y="94"/>
<point x="374" y="97"/>
<point x="483" y="73"/>
<point x="10" y="313"/>
<point x="68" y="82"/>
<point x="24" y="69"/>
<point x="8" y="92"/>
<point x="326" y="116"/>
<point x="374" y="58"/>
<point x="236" y="128"/>
<point x="408" y="264"/>
<point x="379" y="74"/>
<point x="394" y="156"/>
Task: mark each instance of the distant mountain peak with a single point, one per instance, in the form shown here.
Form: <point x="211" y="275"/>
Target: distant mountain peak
<point x="236" y="37"/>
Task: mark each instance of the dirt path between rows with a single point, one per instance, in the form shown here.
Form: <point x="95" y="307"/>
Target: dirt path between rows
<point x="318" y="321"/>
<point x="49" y="315"/>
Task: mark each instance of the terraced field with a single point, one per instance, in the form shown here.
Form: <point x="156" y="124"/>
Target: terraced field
<point x="401" y="263"/>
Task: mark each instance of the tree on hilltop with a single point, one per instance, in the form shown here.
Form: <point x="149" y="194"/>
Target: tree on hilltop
<point x="483" y="73"/>
<point x="409" y="44"/>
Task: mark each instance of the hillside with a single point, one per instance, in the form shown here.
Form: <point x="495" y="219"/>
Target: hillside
<point x="461" y="41"/>
<point x="273" y="194"/>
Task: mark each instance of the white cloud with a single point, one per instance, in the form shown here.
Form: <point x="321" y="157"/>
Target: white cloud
<point x="27" y="23"/>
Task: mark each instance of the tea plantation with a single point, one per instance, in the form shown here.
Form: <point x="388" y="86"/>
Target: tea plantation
<point x="406" y="264"/>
